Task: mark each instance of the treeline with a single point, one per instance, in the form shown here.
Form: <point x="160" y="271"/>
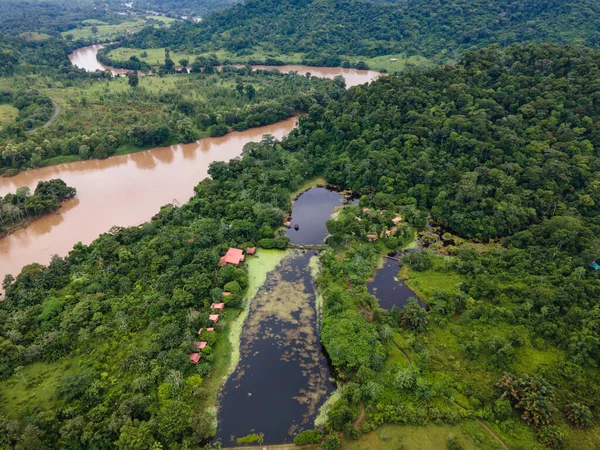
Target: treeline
<point x="34" y="108"/>
<point x="128" y="307"/>
<point x="20" y="208"/>
<point x="327" y="31"/>
<point x="188" y="8"/>
<point x="201" y="104"/>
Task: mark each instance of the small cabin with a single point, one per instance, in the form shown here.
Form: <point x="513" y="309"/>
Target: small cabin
<point x="388" y="233"/>
<point x="397" y="219"/>
<point x="208" y="329"/>
<point x="250" y="251"/>
<point x="200" y="344"/>
<point x="214" y="318"/>
<point x="217" y="305"/>
<point x="287" y="224"/>
<point x="595" y="265"/>
<point x="194" y="357"/>
<point x="226" y="294"/>
<point x="372" y="237"/>
<point x="233" y="256"/>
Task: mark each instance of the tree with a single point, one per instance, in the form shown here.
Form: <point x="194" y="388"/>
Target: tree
<point x="133" y="79"/>
<point x="94" y="29"/>
<point x="136" y="435"/>
<point x="332" y="442"/>
<point x="250" y="92"/>
<point x="578" y="414"/>
<point x="184" y="62"/>
<point x="414" y="316"/>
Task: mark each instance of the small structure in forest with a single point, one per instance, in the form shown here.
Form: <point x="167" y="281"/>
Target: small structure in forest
<point x="208" y="329"/>
<point x="595" y="265"/>
<point x="388" y="233"/>
<point x="372" y="237"/>
<point x="287" y="224"/>
<point x="200" y="344"/>
<point x="233" y="256"/>
<point x="397" y="219"/>
<point x="218" y="305"/>
<point x="226" y="294"/>
<point x="250" y="251"/>
<point x="194" y="357"/>
<point x="214" y="318"/>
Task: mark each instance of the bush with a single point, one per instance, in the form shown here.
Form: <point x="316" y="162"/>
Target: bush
<point x="308" y="437"/>
<point x="250" y="439"/>
<point x="454" y="444"/>
<point x="332" y="442"/>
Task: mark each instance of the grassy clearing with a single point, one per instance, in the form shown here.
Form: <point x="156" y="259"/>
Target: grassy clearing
<point x="393" y="437"/>
<point x="8" y="114"/>
<point x="31" y="36"/>
<point x="36" y="386"/>
<point x="429" y="281"/>
<point x="393" y="63"/>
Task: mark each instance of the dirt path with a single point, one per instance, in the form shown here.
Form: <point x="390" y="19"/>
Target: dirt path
<point x="402" y="351"/>
<point x="494" y="435"/>
<point x="52" y="119"/>
<point x="356" y="421"/>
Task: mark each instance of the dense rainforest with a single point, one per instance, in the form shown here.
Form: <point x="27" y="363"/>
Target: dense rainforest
<point x="325" y="32"/>
<point x="20" y="208"/>
<point x="498" y="152"/>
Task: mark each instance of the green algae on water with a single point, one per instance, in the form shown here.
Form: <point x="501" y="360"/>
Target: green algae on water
<point x="259" y="266"/>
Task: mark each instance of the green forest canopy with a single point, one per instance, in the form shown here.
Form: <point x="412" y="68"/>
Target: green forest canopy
<point x="325" y="30"/>
<point x="502" y="145"/>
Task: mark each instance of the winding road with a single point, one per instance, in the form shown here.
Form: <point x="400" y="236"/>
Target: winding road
<point x="52" y="119"/>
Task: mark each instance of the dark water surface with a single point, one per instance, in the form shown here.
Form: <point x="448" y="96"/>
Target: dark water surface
<point x="311" y="210"/>
<point x="283" y="377"/>
<point x="388" y="289"/>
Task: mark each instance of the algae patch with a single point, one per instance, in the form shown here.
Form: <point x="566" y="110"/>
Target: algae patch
<point x="259" y="266"/>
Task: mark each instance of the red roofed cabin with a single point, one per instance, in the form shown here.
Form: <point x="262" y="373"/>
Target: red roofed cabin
<point x="397" y="219"/>
<point x="214" y="318"/>
<point x="200" y="344"/>
<point x="233" y="256"/>
<point x="194" y="357"/>
<point x="250" y="250"/>
<point x="208" y="329"/>
<point x="372" y="237"/>
<point x="217" y="306"/>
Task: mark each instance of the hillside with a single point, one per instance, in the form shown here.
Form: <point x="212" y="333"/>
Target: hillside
<point x="321" y="29"/>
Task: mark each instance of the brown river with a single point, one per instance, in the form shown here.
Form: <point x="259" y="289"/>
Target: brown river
<point x="85" y="58"/>
<point x="129" y="189"/>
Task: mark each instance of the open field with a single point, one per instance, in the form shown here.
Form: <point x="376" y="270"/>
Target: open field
<point x="107" y="30"/>
<point x="8" y="114"/>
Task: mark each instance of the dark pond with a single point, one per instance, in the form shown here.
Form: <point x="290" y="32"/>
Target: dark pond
<point x="311" y="210"/>
<point x="388" y="289"/>
<point x="282" y="378"/>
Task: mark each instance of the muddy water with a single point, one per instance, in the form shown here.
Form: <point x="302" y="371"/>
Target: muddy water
<point x="283" y="377"/>
<point x="122" y="190"/>
<point x="353" y="77"/>
<point x="85" y="58"/>
<point x="312" y="209"/>
<point x="388" y="289"/>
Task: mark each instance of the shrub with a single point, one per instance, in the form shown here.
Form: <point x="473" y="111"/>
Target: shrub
<point x="308" y="437"/>
<point x="332" y="442"/>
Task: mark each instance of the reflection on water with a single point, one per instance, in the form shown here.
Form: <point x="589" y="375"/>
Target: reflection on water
<point x="123" y="190"/>
<point x="312" y="209"/>
<point x="283" y="377"/>
<point x="388" y="289"/>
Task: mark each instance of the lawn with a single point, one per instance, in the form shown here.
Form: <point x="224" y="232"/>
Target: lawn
<point x="8" y="114"/>
<point x="392" y="63"/>
<point x="438" y="278"/>
<point x="106" y="30"/>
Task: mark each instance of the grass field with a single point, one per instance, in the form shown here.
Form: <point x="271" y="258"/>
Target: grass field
<point x="107" y="30"/>
<point x="407" y="437"/>
<point x="8" y="114"/>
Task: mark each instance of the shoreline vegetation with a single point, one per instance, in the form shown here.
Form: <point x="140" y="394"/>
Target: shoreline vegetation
<point x="20" y="209"/>
<point x="101" y="119"/>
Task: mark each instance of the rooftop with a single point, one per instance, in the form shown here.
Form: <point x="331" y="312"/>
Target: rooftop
<point x="194" y="357"/>
<point x="233" y="256"/>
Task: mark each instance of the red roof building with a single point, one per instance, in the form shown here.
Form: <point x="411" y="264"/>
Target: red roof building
<point x="287" y="224"/>
<point x="233" y="256"/>
<point x="388" y="233"/>
<point x="226" y="294"/>
<point x="397" y="219"/>
<point x="200" y="344"/>
<point x="194" y="357"/>
<point x="250" y="250"/>
<point x="372" y="237"/>
<point x="214" y="318"/>
<point x="217" y="306"/>
<point x="208" y="329"/>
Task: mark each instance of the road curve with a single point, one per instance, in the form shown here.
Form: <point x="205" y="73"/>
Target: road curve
<point x="52" y="119"/>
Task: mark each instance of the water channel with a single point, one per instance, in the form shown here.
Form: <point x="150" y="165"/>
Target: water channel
<point x="282" y="378"/>
<point x="389" y="290"/>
